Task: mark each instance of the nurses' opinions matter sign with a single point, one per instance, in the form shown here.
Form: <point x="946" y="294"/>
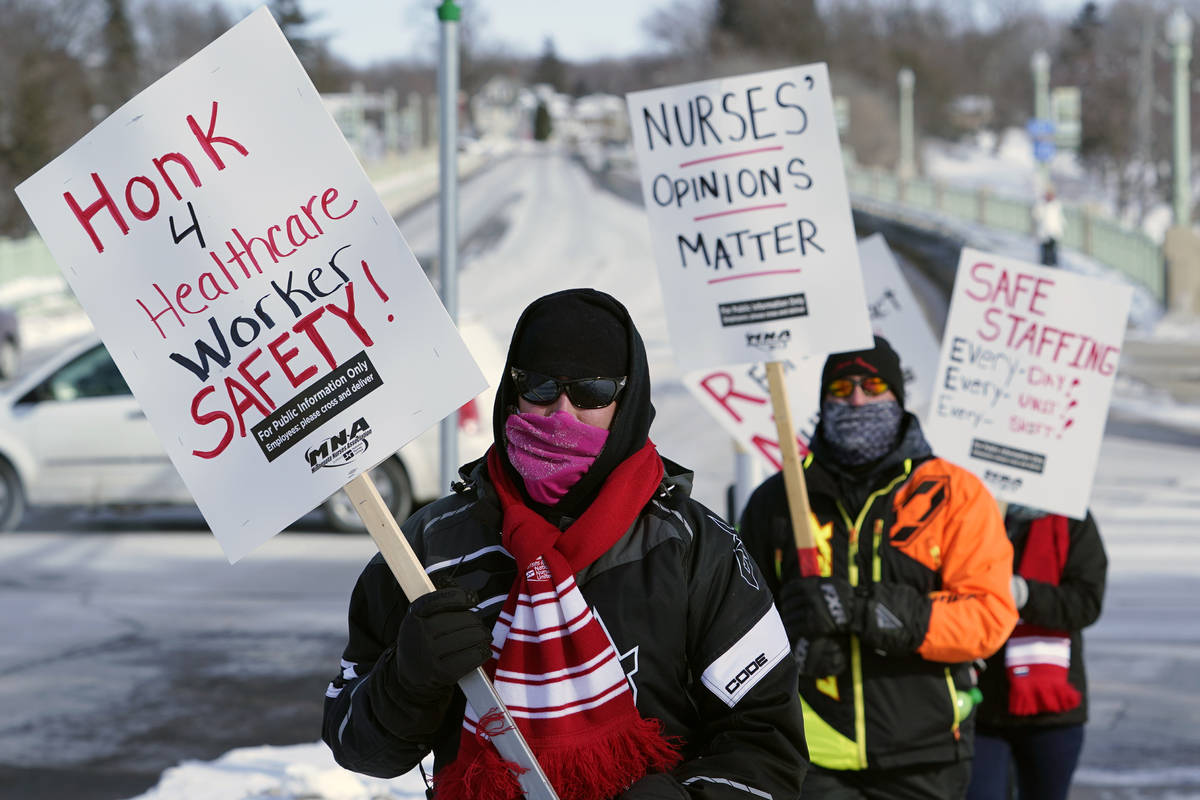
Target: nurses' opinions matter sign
<point x="1021" y="394"/>
<point x="750" y="219"/>
<point x="254" y="292"/>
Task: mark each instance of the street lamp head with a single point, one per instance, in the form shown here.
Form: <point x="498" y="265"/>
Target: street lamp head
<point x="906" y="78"/>
<point x="1179" y="27"/>
<point x="1040" y="62"/>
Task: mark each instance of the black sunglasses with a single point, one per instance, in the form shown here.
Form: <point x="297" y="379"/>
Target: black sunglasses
<point x="542" y="390"/>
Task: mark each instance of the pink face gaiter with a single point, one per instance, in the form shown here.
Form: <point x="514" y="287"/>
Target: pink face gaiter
<point x="551" y="452"/>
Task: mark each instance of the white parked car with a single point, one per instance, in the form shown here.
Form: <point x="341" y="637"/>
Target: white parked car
<point x="71" y="433"/>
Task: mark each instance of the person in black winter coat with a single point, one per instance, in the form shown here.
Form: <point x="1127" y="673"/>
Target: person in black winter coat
<point x="623" y="623"/>
<point x="1031" y="720"/>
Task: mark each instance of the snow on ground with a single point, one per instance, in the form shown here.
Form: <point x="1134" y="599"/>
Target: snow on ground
<point x="1004" y="165"/>
<point x="299" y="772"/>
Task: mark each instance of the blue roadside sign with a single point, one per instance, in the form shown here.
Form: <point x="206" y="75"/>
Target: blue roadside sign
<point x="1040" y="128"/>
<point x="1041" y="131"/>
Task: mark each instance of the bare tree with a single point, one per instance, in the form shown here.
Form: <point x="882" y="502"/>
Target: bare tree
<point x="792" y="29"/>
<point x="175" y="30"/>
<point x="121" y="56"/>
<point x="1104" y="54"/>
<point x="45" y="96"/>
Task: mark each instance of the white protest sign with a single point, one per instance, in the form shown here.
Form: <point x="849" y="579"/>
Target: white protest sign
<point x="1026" y="373"/>
<point x="745" y="191"/>
<point x="897" y="316"/>
<point x="254" y="292"/>
<point x="737" y="396"/>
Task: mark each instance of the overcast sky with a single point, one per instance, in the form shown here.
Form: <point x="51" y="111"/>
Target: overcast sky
<point x="368" y="31"/>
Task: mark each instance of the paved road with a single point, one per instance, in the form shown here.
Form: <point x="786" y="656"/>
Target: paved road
<point x="128" y="644"/>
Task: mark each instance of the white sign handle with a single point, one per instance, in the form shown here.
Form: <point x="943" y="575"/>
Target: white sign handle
<point x="480" y="692"/>
<point x="793" y="474"/>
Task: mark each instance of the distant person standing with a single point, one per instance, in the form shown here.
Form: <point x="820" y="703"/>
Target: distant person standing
<point x="1048" y="226"/>
<point x="1035" y="689"/>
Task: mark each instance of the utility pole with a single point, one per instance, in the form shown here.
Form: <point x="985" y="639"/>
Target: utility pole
<point x="1040" y="63"/>
<point x="1144" y="104"/>
<point x="1179" y="34"/>
<point x="908" y="161"/>
<point x="448" y="15"/>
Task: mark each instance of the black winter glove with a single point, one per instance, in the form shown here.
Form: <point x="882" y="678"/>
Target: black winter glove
<point x="659" y="786"/>
<point x="821" y="656"/>
<point x="816" y="606"/>
<point x="440" y="640"/>
<point x="893" y="618"/>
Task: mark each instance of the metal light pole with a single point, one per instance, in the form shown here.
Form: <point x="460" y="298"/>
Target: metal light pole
<point x="1040" y="63"/>
<point x="448" y="15"/>
<point x="908" y="162"/>
<point x="1179" y="34"/>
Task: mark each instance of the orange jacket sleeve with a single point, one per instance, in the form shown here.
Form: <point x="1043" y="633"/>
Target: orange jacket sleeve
<point x="973" y="614"/>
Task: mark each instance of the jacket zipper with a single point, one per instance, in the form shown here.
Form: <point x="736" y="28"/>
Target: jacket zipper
<point x="860" y="713"/>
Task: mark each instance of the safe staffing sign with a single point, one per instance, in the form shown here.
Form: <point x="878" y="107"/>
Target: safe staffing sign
<point x="249" y="284"/>
<point x="750" y="221"/>
<point x="1021" y="393"/>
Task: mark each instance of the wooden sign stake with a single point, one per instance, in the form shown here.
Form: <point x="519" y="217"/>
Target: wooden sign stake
<point x="410" y="574"/>
<point x="793" y="473"/>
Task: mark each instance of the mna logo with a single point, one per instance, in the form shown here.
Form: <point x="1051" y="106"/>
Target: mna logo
<point x="768" y="341"/>
<point x="341" y="448"/>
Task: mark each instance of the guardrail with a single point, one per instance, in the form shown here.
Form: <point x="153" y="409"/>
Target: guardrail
<point x="1128" y="251"/>
<point x="27" y="271"/>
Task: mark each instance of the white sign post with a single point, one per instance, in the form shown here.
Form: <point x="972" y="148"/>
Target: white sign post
<point x="1026" y="373"/>
<point x="259" y="300"/>
<point x="738" y="397"/>
<point x="750" y="222"/>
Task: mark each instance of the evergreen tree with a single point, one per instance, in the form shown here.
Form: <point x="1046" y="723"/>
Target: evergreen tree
<point x="121" y="81"/>
<point x="293" y="21"/>
<point x="541" y="123"/>
<point x="549" y="69"/>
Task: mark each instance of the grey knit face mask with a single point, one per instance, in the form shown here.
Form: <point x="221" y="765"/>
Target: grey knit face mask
<point x="859" y="434"/>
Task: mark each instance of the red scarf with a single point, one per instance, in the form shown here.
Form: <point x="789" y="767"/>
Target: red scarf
<point x="552" y="662"/>
<point x="1037" y="659"/>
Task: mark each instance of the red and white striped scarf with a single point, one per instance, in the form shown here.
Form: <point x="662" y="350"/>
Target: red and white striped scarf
<point x="553" y="663"/>
<point x="1037" y="659"/>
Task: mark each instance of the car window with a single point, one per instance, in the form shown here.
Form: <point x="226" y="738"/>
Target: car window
<point x="92" y="374"/>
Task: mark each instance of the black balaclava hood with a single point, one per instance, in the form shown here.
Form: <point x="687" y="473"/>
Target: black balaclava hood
<point x="580" y="333"/>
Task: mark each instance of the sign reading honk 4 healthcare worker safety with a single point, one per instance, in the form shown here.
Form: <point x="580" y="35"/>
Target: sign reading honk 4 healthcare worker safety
<point x="750" y="219"/>
<point x="738" y="397"/>
<point x="254" y="292"/>
<point x="1021" y="394"/>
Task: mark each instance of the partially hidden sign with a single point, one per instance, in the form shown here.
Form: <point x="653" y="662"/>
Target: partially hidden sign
<point x="1028" y="362"/>
<point x="737" y="395"/>
<point x="249" y="284"/>
<point x="750" y="221"/>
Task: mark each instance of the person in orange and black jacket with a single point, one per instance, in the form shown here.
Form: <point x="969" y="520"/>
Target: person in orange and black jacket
<point x="1035" y="689"/>
<point x="913" y="586"/>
